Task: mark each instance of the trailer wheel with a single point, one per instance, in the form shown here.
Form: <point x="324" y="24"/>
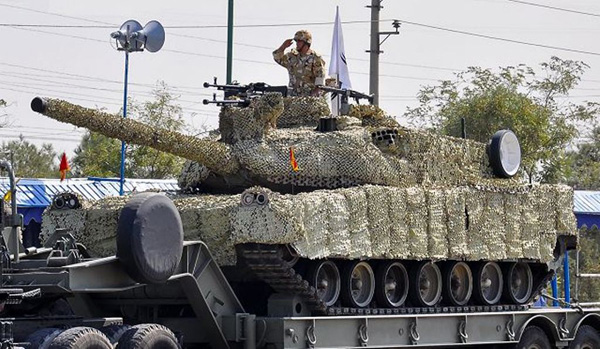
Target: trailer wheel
<point x="81" y="338"/>
<point x="114" y="332"/>
<point x="148" y="336"/>
<point x="42" y="338"/>
<point x="587" y="338"/>
<point x="534" y="338"/>
<point x="150" y="238"/>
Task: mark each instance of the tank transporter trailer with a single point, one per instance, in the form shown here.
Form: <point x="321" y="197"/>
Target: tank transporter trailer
<point x="160" y="291"/>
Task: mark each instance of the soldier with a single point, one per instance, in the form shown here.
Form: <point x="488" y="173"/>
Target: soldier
<point x="305" y="67"/>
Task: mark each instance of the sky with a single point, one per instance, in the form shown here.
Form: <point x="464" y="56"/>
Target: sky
<point x="62" y="49"/>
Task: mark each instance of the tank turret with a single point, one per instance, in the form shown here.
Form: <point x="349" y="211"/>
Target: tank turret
<point x="348" y="213"/>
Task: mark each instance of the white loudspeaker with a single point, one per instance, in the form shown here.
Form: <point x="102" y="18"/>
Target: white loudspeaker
<point x="152" y="37"/>
<point x="125" y="32"/>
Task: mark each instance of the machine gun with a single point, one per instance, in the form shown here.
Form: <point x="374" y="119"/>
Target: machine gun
<point x="242" y="94"/>
<point x="346" y="95"/>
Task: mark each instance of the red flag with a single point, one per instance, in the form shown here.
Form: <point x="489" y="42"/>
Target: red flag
<point x="293" y="161"/>
<point x="64" y="167"/>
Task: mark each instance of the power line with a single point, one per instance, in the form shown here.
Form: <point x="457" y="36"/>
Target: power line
<point x="490" y="37"/>
<point x="555" y="8"/>
<point x="53" y="13"/>
<point x="218" y="26"/>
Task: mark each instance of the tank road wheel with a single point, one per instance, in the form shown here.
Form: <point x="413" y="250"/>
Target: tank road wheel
<point x="148" y="336"/>
<point x="534" y="338"/>
<point x="391" y="285"/>
<point x="358" y="284"/>
<point x="81" y="338"/>
<point x="519" y="283"/>
<point x="587" y="338"/>
<point x="324" y="276"/>
<point x="426" y="284"/>
<point x="458" y="283"/>
<point x="42" y="338"/>
<point x="488" y="283"/>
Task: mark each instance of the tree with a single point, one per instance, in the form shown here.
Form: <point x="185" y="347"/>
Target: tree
<point x="100" y="156"/>
<point x="583" y="172"/>
<point x="29" y="160"/>
<point x="589" y="253"/>
<point x="515" y="98"/>
<point x="97" y="156"/>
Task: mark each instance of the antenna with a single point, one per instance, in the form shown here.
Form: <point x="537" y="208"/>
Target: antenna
<point x="131" y="37"/>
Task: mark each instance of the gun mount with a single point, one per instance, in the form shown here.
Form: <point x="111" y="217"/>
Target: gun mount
<point x="345" y="95"/>
<point x="241" y="95"/>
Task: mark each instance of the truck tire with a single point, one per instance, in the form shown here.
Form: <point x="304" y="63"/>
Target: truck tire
<point x="534" y="338"/>
<point x="81" y="338"/>
<point x="114" y="332"/>
<point x="42" y="338"/>
<point x="587" y="338"/>
<point x="148" y="336"/>
<point x="150" y="238"/>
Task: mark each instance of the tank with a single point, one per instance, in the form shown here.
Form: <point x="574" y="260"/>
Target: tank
<point x="349" y="214"/>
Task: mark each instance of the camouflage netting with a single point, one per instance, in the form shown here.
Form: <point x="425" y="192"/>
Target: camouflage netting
<point x="385" y="154"/>
<point x="252" y="122"/>
<point x="357" y="155"/>
<point x="470" y="223"/>
<point x="214" y="155"/>
<point x="372" y="115"/>
<point x="303" y="111"/>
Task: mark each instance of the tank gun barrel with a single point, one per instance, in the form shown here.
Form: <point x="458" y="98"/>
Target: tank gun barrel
<point x="215" y="156"/>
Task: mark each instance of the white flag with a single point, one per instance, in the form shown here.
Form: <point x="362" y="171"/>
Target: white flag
<point x="338" y="67"/>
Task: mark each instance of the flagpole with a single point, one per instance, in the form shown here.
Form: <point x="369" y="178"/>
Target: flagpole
<point x="338" y="66"/>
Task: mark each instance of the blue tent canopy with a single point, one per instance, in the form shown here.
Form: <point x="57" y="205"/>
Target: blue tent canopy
<point x="587" y="208"/>
<point x="34" y="195"/>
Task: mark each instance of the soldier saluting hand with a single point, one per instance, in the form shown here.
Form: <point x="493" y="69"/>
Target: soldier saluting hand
<point x="306" y="67"/>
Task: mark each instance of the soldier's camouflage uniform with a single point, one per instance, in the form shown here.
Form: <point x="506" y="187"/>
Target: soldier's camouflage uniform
<point x="306" y="71"/>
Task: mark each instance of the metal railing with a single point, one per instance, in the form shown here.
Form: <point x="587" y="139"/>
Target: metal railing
<point x="578" y="277"/>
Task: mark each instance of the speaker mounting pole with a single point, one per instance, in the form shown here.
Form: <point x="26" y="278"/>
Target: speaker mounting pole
<point x="131" y="37"/>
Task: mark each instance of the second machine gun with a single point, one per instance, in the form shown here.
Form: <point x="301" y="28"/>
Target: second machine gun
<point x="242" y="94"/>
<point x="345" y="96"/>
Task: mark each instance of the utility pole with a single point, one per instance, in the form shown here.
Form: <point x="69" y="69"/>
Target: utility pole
<point x="375" y="49"/>
<point x="229" y="41"/>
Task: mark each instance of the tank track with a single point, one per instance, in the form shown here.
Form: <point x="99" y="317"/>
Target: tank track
<point x="267" y="263"/>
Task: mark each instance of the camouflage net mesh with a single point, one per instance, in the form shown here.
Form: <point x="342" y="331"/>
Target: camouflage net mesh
<point x="440" y="199"/>
<point x="372" y="115"/>
<point x="470" y="223"/>
<point x="357" y="155"/>
<point x="252" y="122"/>
<point x="303" y="111"/>
<point x="214" y="155"/>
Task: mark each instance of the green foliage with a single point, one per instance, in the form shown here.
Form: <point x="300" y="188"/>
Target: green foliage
<point x="97" y="156"/>
<point x="514" y="98"/>
<point x="100" y="156"/>
<point x="29" y="160"/>
<point x="583" y="172"/>
<point x="589" y="254"/>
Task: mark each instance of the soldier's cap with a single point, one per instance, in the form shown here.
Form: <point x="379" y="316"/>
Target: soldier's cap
<point x="303" y="35"/>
